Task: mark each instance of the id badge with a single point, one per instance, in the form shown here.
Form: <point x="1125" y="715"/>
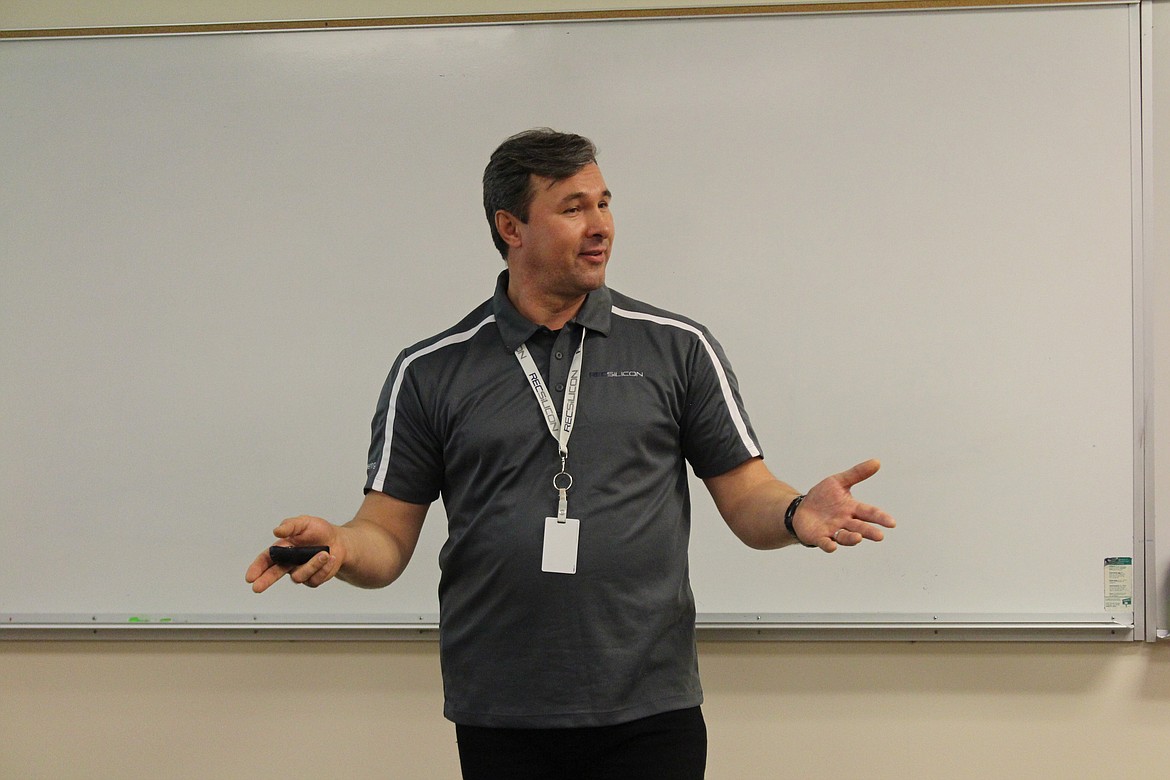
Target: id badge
<point x="560" y="545"/>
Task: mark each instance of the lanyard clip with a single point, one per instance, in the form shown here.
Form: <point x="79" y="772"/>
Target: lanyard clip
<point x="562" y="487"/>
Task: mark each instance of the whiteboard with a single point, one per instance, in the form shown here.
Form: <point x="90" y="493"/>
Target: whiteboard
<point x="912" y="233"/>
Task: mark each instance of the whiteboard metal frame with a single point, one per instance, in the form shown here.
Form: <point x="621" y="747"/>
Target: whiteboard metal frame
<point x="680" y="12"/>
<point x="711" y="627"/>
<point x="1146" y="601"/>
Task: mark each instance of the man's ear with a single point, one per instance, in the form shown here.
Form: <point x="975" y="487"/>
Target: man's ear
<point x="508" y="226"/>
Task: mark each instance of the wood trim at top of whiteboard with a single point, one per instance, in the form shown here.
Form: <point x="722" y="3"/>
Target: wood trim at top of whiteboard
<point x="798" y="7"/>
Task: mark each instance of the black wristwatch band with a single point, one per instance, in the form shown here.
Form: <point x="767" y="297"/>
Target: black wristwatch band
<point x="791" y="513"/>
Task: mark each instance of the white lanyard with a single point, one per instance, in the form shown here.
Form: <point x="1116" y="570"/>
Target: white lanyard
<point x="561" y="427"/>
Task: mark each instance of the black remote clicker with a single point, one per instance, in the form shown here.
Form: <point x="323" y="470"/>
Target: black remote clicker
<point x="293" y="556"/>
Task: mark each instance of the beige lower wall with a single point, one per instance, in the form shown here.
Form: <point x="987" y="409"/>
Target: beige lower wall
<point x="166" y="710"/>
<point x="356" y="710"/>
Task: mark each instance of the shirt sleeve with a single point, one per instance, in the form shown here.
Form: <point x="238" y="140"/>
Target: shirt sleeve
<point x="717" y="435"/>
<point x="405" y="459"/>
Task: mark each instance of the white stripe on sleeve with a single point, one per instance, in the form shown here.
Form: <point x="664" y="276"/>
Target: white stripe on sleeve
<point x="388" y="435"/>
<point x="725" y="386"/>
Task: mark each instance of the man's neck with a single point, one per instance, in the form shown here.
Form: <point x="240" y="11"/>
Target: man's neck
<point x="551" y="311"/>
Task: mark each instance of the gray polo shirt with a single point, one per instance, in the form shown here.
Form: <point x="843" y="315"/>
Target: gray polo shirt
<point x="457" y="418"/>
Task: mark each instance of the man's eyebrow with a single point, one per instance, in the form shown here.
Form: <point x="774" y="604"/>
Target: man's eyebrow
<point x="606" y="194"/>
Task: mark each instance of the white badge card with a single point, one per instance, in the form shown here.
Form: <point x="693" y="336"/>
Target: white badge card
<point x="560" y="545"/>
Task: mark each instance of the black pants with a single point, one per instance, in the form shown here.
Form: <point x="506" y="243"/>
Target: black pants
<point x="670" y="746"/>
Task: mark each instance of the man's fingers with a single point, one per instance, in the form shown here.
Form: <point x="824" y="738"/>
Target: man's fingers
<point x="290" y="527"/>
<point x="257" y="568"/>
<point x="843" y="538"/>
<point x="312" y="573"/>
<point x="327" y="571"/>
<point x="265" y="579"/>
<point x="860" y="472"/>
<point x="870" y="532"/>
<point x="315" y="572"/>
<point x="851" y="538"/>
<point x="872" y="514"/>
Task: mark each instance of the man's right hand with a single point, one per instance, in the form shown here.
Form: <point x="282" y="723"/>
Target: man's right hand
<point x="374" y="547"/>
<point x="300" y="532"/>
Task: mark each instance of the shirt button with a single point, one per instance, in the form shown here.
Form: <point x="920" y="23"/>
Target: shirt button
<point x="560" y="388"/>
<point x="560" y="355"/>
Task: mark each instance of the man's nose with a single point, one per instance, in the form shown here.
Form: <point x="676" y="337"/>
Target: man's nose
<point x="600" y="223"/>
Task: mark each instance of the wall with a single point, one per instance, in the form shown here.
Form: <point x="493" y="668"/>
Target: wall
<point x="813" y="710"/>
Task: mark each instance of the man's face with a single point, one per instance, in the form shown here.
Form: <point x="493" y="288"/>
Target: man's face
<point x="565" y="245"/>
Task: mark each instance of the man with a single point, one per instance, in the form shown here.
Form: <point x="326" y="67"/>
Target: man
<point x="557" y="421"/>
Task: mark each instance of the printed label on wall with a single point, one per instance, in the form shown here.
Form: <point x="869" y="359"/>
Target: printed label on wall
<point x="1119" y="583"/>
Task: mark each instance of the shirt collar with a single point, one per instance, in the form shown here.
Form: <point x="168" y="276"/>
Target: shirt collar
<point x="515" y="329"/>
